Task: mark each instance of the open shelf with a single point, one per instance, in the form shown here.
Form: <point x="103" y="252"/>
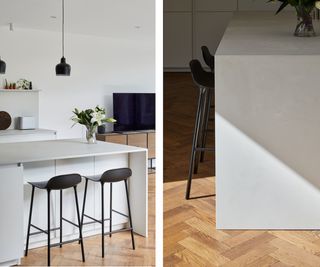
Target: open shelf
<point x="18" y="91"/>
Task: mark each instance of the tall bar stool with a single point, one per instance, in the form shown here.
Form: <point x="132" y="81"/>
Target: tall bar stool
<point x="209" y="60"/>
<point x="203" y="80"/>
<point x="56" y="183"/>
<point x="110" y="176"/>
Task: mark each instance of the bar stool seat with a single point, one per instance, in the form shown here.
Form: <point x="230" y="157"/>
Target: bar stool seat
<point x="110" y="176"/>
<point x="56" y="183"/>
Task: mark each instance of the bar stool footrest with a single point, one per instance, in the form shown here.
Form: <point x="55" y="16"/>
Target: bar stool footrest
<point x="41" y="231"/>
<point x="118" y="231"/>
<point x="65" y="242"/>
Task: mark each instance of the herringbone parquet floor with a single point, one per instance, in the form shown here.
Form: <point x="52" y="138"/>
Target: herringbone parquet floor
<point x="191" y="239"/>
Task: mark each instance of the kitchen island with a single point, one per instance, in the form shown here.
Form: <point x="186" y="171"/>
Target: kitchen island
<point x="267" y="124"/>
<point x="41" y="160"/>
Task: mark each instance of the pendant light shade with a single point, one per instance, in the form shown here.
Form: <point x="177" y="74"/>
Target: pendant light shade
<point x="2" y="67"/>
<point x="63" y="69"/>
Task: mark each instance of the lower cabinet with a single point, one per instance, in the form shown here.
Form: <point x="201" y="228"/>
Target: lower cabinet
<point x="143" y="139"/>
<point x="11" y="226"/>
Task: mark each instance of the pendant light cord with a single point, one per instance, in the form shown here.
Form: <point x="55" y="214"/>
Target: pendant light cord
<point x="62" y="28"/>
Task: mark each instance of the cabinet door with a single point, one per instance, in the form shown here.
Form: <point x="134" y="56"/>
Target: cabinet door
<point x="209" y="30"/>
<point x="177" y="5"/>
<point x="85" y="167"/>
<point x="177" y="40"/>
<point x="36" y="172"/>
<point x="117" y="138"/>
<point x="151" y="145"/>
<point x="139" y="140"/>
<point x="216" y="5"/>
<point x="11" y="210"/>
<point x="257" y="5"/>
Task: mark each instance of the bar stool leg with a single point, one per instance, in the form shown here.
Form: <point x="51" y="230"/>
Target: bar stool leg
<point x="194" y="142"/>
<point x="200" y="130"/>
<point x="29" y="222"/>
<point x="60" y="218"/>
<point x="84" y="204"/>
<point x="48" y="255"/>
<point x="79" y="222"/>
<point x="110" y="221"/>
<point x="206" y="123"/>
<point x="102" y="218"/>
<point x="129" y="211"/>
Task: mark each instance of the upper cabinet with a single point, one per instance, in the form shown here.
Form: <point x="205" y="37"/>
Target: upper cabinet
<point x="177" y="5"/>
<point x="258" y="5"/>
<point x="209" y="29"/>
<point x="215" y="5"/>
<point x="177" y="40"/>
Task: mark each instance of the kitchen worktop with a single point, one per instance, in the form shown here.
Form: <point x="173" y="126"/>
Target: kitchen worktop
<point x="264" y="33"/>
<point x="58" y="149"/>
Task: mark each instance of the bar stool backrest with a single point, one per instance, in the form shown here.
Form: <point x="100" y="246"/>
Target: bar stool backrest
<point x="116" y="175"/>
<point x="208" y="58"/>
<point x="200" y="77"/>
<point x="63" y="181"/>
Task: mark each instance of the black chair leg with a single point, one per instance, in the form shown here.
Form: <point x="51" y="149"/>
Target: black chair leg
<point x="29" y="222"/>
<point x="48" y="255"/>
<point x="84" y="204"/>
<point x="195" y="142"/>
<point x="102" y="218"/>
<point x="60" y="218"/>
<point x="129" y="211"/>
<point x="79" y="222"/>
<point x="206" y="123"/>
<point x="110" y="221"/>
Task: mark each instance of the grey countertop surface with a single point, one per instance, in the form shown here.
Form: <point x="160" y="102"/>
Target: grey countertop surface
<point x="12" y="153"/>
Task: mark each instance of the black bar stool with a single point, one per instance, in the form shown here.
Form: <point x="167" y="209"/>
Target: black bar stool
<point x="56" y="183"/>
<point x="205" y="83"/>
<point x="110" y="176"/>
<point x="209" y="60"/>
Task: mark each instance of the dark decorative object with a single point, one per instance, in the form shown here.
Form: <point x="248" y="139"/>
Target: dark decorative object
<point x="5" y="120"/>
<point x="102" y="129"/>
<point x="2" y="67"/>
<point x="63" y="69"/>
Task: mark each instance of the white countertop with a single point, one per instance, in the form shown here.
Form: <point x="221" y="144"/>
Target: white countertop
<point x="264" y="33"/>
<point x="12" y="153"/>
<point x="24" y="132"/>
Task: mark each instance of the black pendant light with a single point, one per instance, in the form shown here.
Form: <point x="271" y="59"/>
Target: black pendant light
<point x="63" y="69"/>
<point x="2" y="67"/>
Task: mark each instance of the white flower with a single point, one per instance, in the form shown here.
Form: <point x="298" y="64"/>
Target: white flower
<point x="97" y="117"/>
<point x="317" y="4"/>
<point x="75" y="118"/>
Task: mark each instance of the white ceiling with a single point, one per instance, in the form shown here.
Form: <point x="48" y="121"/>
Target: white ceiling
<point x="129" y="19"/>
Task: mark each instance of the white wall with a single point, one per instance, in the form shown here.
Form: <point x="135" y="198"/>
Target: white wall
<point x="100" y="66"/>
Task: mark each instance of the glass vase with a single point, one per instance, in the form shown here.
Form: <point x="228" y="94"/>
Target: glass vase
<point x="305" y="25"/>
<point x="91" y="134"/>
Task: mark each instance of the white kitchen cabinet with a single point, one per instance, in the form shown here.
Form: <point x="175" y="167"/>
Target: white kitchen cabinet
<point x="11" y="210"/>
<point x="36" y="172"/>
<point x="177" y="40"/>
<point x="215" y="5"/>
<point x="177" y="5"/>
<point x="258" y="5"/>
<point x="209" y="29"/>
